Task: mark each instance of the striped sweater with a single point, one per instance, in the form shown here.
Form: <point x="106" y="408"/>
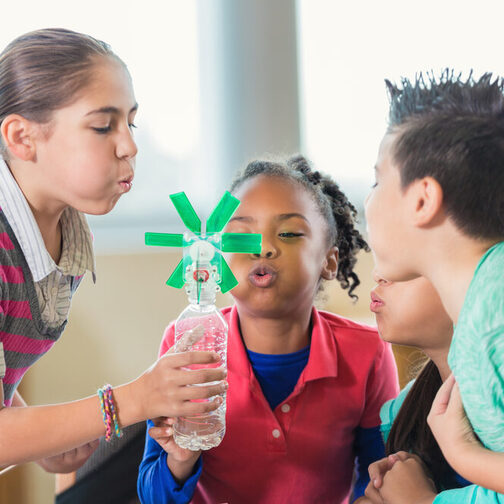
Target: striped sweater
<point x="22" y="332"/>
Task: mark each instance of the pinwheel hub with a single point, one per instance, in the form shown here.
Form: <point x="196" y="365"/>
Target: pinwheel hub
<point x="201" y="249"/>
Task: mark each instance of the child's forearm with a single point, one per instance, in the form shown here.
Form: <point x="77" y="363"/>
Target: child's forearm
<point x="478" y="465"/>
<point x="32" y="433"/>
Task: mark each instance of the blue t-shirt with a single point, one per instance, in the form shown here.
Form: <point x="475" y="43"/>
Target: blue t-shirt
<point x="278" y="373"/>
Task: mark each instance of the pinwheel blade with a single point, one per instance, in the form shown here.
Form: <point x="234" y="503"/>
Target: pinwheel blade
<point x="245" y="243"/>
<point x="228" y="279"/>
<point x="222" y="213"/>
<point x="186" y="212"/>
<point x="164" y="239"/>
<point x="177" y="277"/>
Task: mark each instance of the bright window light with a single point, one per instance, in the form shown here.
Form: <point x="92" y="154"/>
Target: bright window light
<point x="347" y="49"/>
<point x="159" y="43"/>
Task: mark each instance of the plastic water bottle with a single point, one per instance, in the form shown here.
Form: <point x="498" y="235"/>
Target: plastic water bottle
<point x="201" y="327"/>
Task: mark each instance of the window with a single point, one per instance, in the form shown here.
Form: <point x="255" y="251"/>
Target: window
<point x="347" y="49"/>
<point x="159" y="42"/>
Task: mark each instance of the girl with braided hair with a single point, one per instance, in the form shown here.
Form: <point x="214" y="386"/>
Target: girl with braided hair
<point x="305" y="386"/>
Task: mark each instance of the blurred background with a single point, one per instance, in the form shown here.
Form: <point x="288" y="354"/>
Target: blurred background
<point x="221" y="82"/>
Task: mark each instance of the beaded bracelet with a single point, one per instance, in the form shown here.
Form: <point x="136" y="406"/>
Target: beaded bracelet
<point x="106" y="419"/>
<point x="117" y="429"/>
<point x="108" y="411"/>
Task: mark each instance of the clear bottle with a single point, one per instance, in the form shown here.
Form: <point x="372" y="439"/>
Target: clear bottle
<point x="201" y="327"/>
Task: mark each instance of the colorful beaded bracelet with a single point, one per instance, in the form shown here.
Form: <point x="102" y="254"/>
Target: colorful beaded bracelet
<point x="108" y="411"/>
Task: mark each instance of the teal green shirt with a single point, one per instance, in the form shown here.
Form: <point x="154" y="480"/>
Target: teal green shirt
<point x="476" y="354"/>
<point x="471" y="494"/>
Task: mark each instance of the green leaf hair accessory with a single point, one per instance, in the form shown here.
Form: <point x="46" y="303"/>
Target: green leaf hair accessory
<point x="203" y="270"/>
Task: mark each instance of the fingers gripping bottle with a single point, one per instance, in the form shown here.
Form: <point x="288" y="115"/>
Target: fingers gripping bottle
<point x="201" y="326"/>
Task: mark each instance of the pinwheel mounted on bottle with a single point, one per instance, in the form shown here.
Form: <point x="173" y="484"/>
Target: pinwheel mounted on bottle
<point x="203" y="271"/>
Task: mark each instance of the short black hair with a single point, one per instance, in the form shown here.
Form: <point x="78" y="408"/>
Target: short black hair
<point x="452" y="129"/>
<point x="339" y="214"/>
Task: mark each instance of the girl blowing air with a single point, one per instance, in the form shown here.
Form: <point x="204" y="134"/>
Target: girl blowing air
<point x="437" y="211"/>
<point x="66" y="117"/>
<point x="305" y="386"/>
<point x="415" y="471"/>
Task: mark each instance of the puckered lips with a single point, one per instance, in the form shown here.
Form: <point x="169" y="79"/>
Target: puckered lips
<point x="262" y="275"/>
<point x="126" y="183"/>
<point x="376" y="302"/>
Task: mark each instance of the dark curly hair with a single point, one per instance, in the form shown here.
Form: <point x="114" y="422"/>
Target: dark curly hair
<point x="333" y="205"/>
<point x="452" y="129"/>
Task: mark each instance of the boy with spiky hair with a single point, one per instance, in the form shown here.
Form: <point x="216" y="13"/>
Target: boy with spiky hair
<point x="437" y="210"/>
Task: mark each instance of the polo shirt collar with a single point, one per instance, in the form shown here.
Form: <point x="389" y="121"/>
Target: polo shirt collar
<point x="77" y="245"/>
<point x="322" y="362"/>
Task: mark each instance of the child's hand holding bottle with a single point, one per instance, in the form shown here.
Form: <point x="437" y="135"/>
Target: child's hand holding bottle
<point x="180" y="460"/>
<point x="163" y="391"/>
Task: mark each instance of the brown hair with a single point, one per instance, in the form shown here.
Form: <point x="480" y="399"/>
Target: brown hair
<point x="42" y="71"/>
<point x="452" y="129"/>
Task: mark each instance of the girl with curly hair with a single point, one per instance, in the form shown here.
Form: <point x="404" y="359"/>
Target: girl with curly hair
<point x="305" y="386"/>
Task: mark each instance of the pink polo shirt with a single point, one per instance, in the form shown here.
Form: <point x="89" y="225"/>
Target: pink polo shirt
<point x="302" y="452"/>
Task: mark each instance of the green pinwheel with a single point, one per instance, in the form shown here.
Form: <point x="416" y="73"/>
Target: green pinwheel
<point x="203" y="262"/>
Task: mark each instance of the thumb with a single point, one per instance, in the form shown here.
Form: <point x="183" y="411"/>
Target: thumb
<point x="188" y="339"/>
<point x="440" y="403"/>
<point x="456" y="409"/>
<point x="455" y="401"/>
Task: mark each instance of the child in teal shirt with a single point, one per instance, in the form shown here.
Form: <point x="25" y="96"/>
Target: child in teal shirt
<point x="437" y="210"/>
<point x="478" y="365"/>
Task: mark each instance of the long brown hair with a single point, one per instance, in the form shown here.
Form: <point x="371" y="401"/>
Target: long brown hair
<point x="42" y="71"/>
<point x="410" y="431"/>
